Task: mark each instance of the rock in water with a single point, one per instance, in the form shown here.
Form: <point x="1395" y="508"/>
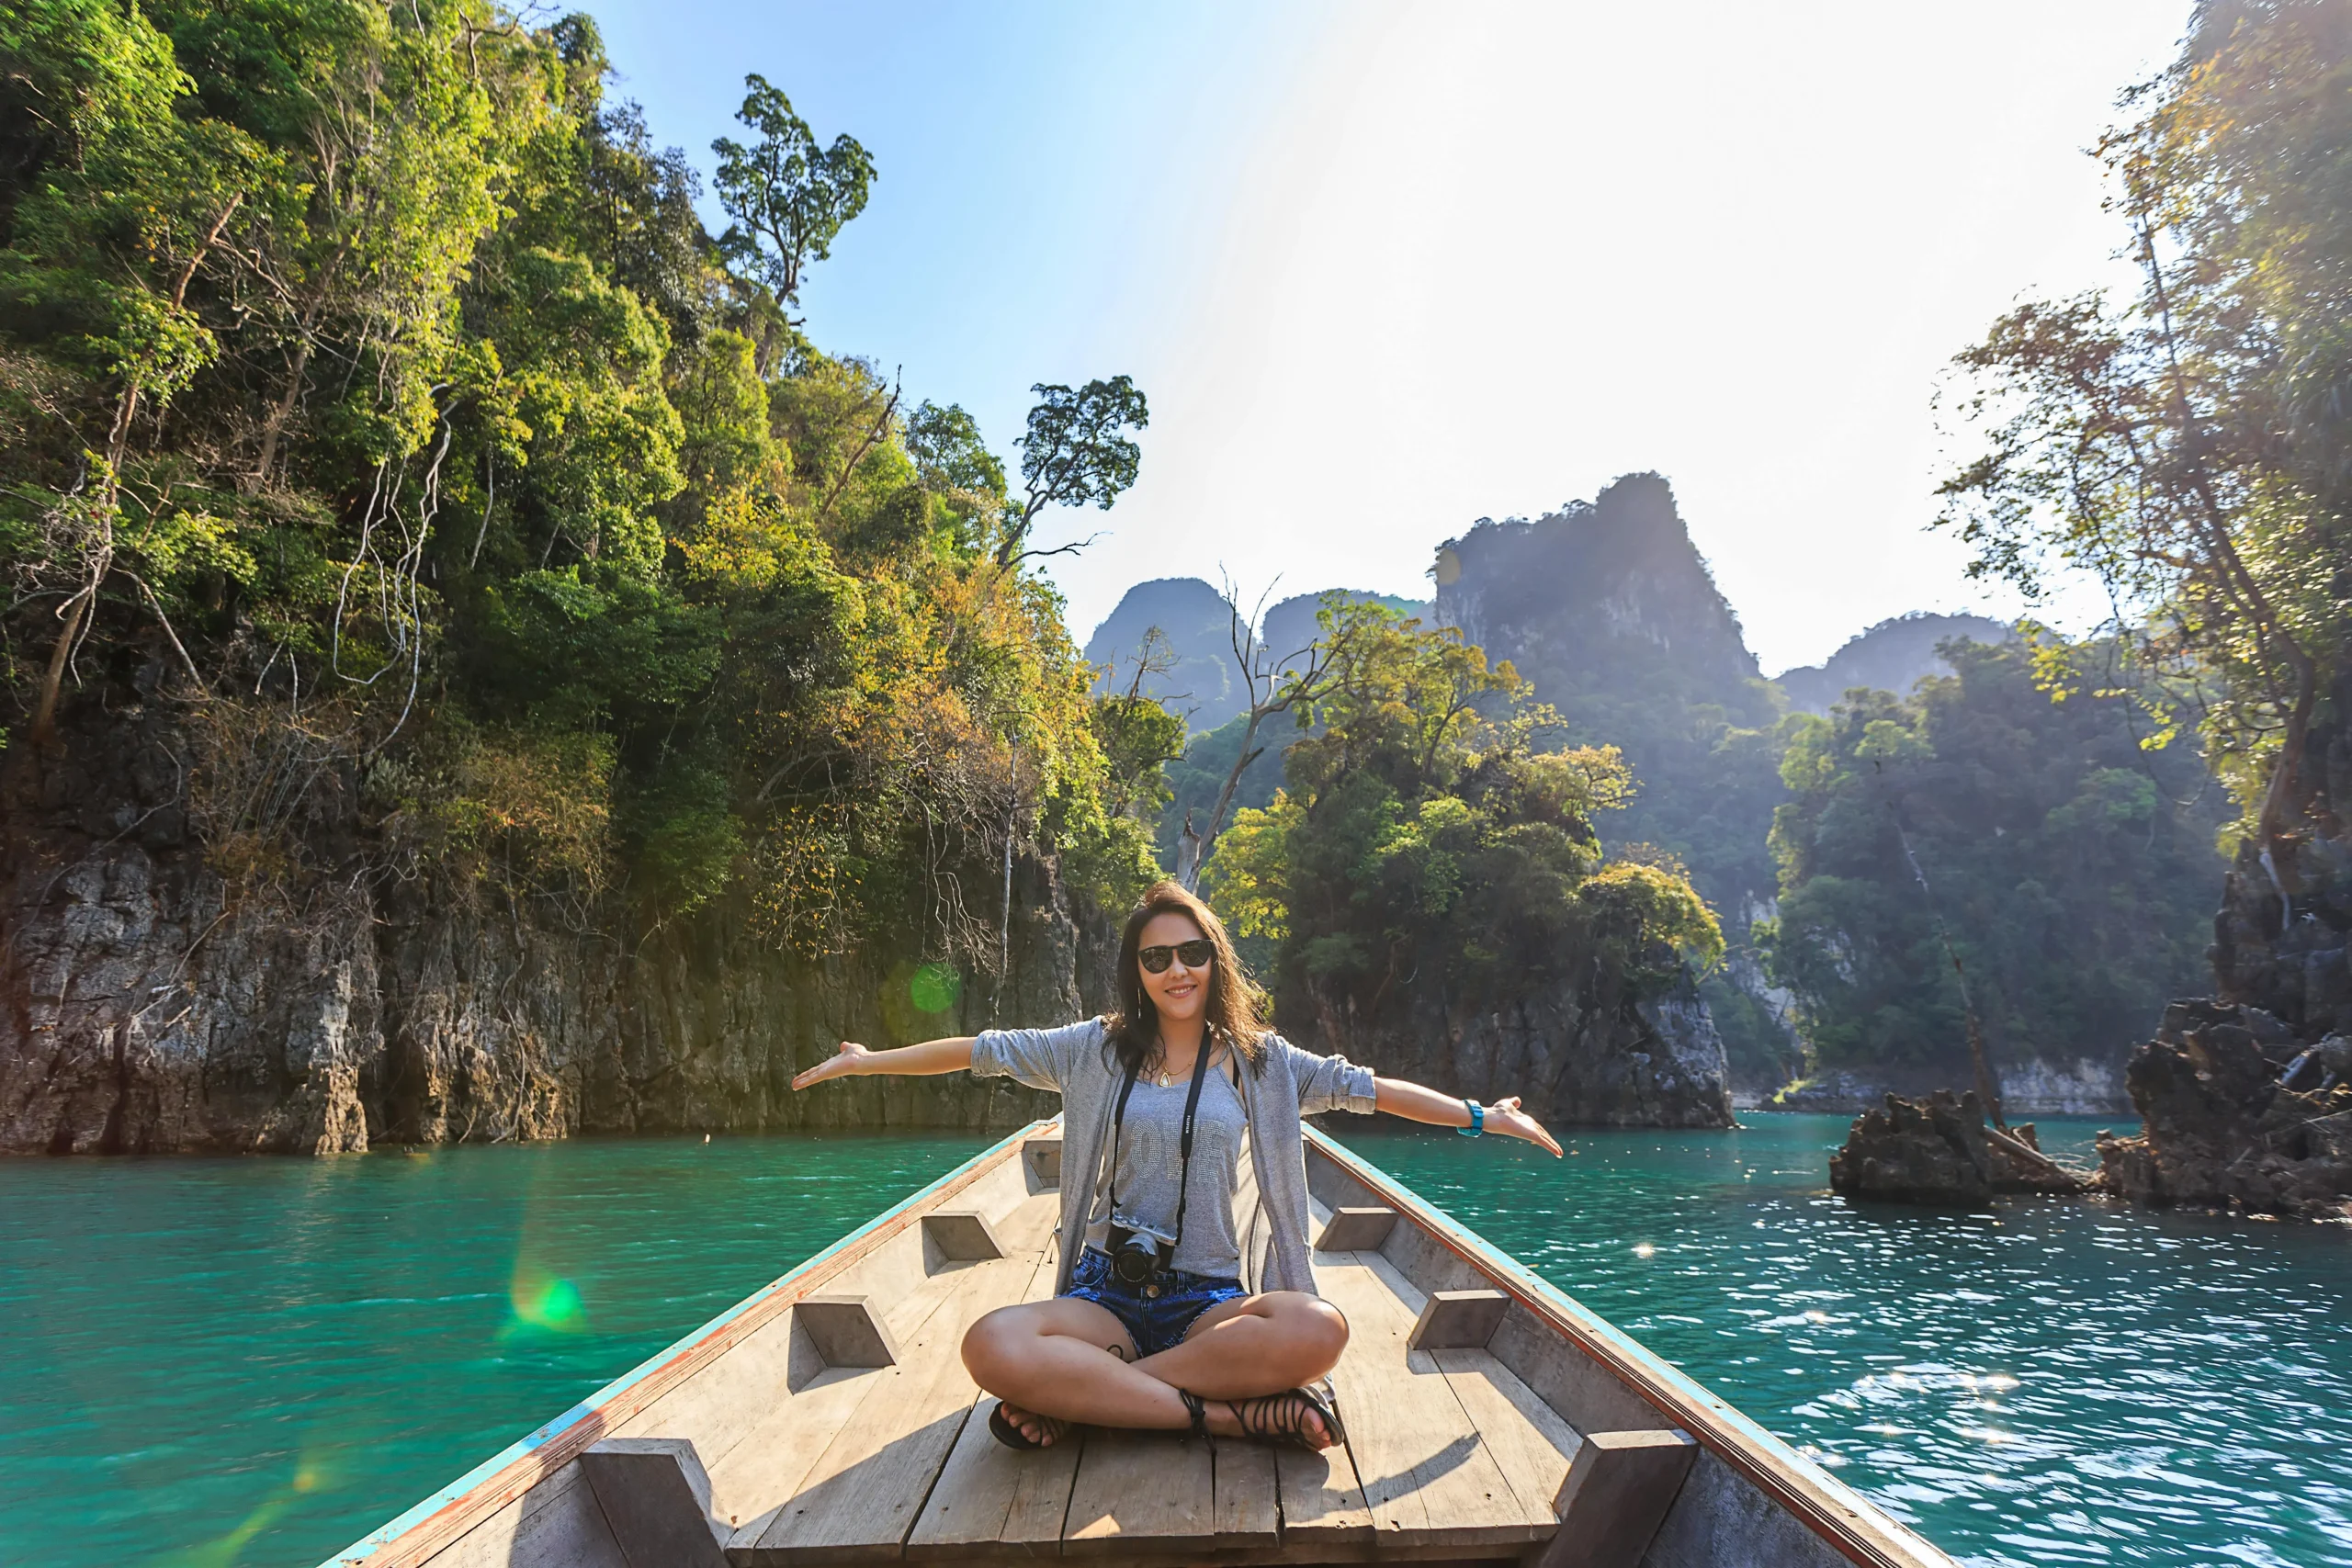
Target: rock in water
<point x="2222" y="1127"/>
<point x="1937" y="1150"/>
<point x="1918" y="1151"/>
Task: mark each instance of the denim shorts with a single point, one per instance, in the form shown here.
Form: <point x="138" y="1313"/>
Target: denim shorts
<point x="1153" y="1322"/>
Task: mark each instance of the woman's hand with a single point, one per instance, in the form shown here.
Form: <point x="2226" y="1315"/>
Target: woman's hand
<point x="1504" y="1116"/>
<point x="848" y="1062"/>
<point x="1415" y="1104"/>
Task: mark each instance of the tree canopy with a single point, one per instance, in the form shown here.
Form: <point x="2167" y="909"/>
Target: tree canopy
<point x="2185" y="448"/>
<point x="370" y="390"/>
<point x="2072" y="868"/>
<point x="1425" y="839"/>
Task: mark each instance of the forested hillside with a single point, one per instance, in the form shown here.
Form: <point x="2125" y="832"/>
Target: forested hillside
<point x="407" y="498"/>
<point x="2183" y="445"/>
<point x="1609" y="612"/>
<point x="2070" y="868"/>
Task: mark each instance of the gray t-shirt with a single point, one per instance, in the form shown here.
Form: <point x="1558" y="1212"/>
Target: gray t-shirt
<point x="1151" y="1150"/>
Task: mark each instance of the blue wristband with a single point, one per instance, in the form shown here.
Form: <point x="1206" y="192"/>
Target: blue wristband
<point x="1478" y="1120"/>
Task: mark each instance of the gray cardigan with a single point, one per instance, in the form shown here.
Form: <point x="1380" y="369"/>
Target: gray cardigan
<point x="1077" y="1062"/>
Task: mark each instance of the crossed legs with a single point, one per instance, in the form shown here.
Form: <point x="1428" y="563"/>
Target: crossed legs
<point x="1073" y="1360"/>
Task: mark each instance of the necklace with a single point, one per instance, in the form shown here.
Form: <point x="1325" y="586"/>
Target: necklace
<point x="1166" y="1079"/>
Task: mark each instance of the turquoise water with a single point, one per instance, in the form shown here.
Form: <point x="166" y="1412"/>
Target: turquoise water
<point x="254" y="1361"/>
<point x="2051" y="1383"/>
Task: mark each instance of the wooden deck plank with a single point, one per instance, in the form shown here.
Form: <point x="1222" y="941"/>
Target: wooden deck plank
<point x="1322" y="1503"/>
<point x="1532" y="1447"/>
<point x="862" y="1495"/>
<point x="765" y="1470"/>
<point x="1140" y="1492"/>
<point x="1032" y="1526"/>
<point x="992" y="1501"/>
<point x="1323" y="1507"/>
<point x="765" y="1467"/>
<point x="1246" y="1514"/>
<point x="1428" y="1478"/>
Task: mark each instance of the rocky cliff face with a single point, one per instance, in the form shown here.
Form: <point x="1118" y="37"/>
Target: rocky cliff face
<point x="2282" y="940"/>
<point x="2238" y="1113"/>
<point x="2246" y="1100"/>
<point x="150" y="1009"/>
<point x="1577" y="1059"/>
<point x="1609" y="612"/>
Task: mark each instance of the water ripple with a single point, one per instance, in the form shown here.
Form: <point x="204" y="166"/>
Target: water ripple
<point x="2052" y="1382"/>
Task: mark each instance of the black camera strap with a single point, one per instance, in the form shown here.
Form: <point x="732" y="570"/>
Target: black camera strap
<point x="1184" y="1143"/>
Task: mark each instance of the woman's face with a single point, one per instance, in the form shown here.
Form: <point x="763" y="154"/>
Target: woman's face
<point x="1179" y="991"/>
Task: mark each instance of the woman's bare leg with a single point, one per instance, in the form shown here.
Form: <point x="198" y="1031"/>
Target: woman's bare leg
<point x="1071" y="1360"/>
<point x="1258" y="1344"/>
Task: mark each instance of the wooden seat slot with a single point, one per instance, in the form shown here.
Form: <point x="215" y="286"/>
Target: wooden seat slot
<point x="1356" y="1230"/>
<point x="1458" y="1320"/>
<point x="1045" y="1157"/>
<point x="846" y="1331"/>
<point x="1617" y="1493"/>
<point x="655" y="1495"/>
<point x="963" y="1236"/>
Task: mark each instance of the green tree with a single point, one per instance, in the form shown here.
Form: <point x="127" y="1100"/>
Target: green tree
<point x="1075" y="453"/>
<point x="1426" y="841"/>
<point x="2185" y="448"/>
<point x="2072" y="867"/>
<point x="788" y="198"/>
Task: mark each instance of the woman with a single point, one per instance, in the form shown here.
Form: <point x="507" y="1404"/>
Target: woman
<point x="1152" y="1325"/>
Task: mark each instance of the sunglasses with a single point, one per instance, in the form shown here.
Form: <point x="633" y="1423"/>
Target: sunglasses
<point x="1194" y="954"/>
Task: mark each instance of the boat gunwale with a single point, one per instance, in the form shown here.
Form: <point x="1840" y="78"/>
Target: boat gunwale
<point x="441" y="1519"/>
<point x="1830" y="1507"/>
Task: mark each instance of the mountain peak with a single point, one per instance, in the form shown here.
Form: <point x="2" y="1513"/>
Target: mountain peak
<point x="1589" y="580"/>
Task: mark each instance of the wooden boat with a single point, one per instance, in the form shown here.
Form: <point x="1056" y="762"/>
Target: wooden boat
<point x="829" y="1419"/>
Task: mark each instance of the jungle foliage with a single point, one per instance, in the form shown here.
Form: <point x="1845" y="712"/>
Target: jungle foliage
<point x="2072" y="865"/>
<point x="1426" y="840"/>
<point x="2189" y="449"/>
<point x="370" y="389"/>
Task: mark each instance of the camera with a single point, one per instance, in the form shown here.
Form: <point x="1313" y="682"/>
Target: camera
<point x="1138" y="1253"/>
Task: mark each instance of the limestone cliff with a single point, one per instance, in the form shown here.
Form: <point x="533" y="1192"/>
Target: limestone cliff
<point x="2236" y="1113"/>
<point x="150" y="1007"/>
<point x="2284" y="931"/>
<point x="1580" y="1056"/>
<point x="2245" y="1099"/>
<point x="1608" y="610"/>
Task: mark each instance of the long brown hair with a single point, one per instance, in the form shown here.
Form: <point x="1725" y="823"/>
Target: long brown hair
<point x="1134" y="1031"/>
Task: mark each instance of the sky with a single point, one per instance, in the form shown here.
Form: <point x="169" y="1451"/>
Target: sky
<point x="1384" y="269"/>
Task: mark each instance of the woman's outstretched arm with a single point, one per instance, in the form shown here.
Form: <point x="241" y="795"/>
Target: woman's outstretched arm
<point x="953" y="1054"/>
<point x="1415" y="1104"/>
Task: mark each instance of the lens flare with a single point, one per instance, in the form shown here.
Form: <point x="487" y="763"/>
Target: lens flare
<point x="314" y="1470"/>
<point x="935" y="988"/>
<point x="546" y="1301"/>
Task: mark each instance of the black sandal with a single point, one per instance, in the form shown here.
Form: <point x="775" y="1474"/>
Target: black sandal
<point x="1012" y="1437"/>
<point x="1198" y="1410"/>
<point x="1282" y="1417"/>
